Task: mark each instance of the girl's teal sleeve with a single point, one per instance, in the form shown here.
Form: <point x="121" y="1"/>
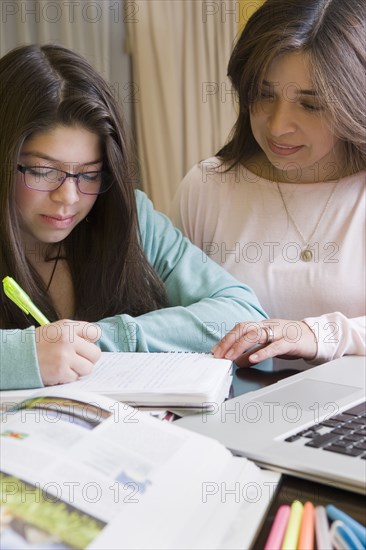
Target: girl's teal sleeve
<point x="18" y="360"/>
<point x="205" y="301"/>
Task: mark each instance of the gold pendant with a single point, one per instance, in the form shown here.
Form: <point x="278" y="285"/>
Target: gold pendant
<point x="306" y="255"/>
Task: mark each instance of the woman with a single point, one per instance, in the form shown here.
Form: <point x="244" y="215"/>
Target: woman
<point x="81" y="242"/>
<point x="282" y="205"/>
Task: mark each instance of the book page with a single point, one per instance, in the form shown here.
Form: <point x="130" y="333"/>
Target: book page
<point x="245" y="495"/>
<point x="169" y="373"/>
<point x="228" y="511"/>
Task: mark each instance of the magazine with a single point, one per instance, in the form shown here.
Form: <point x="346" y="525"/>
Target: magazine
<point x="79" y="470"/>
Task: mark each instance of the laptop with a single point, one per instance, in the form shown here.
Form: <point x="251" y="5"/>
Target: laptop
<point x="311" y="425"/>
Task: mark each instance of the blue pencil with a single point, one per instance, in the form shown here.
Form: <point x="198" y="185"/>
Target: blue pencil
<point x="336" y="514"/>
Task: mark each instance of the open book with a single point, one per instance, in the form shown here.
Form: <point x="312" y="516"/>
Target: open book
<point x="164" y="380"/>
<point x="79" y="470"/>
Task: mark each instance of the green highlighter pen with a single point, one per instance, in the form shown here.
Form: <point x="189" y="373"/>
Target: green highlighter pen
<point x="22" y="300"/>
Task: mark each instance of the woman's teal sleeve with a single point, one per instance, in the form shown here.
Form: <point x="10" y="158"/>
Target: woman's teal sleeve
<point x="205" y="301"/>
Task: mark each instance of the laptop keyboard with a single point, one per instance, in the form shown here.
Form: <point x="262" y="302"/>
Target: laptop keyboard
<point x="344" y="433"/>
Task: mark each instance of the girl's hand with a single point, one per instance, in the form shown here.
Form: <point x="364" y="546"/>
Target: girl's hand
<point x="271" y="338"/>
<point x="66" y="350"/>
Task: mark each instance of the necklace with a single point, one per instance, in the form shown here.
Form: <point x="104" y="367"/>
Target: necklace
<point x="54" y="267"/>
<point x="306" y="254"/>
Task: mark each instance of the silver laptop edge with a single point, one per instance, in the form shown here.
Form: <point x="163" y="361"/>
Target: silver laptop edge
<point x="255" y="424"/>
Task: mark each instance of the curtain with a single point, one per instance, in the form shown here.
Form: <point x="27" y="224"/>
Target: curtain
<point x="77" y="24"/>
<point x="93" y="28"/>
<point x="184" y="105"/>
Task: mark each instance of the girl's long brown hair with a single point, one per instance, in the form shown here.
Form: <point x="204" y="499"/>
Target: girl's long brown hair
<point x="41" y="87"/>
<point x="332" y="34"/>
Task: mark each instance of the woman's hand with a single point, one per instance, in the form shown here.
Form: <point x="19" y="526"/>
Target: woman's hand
<point x="66" y="350"/>
<point x="271" y="338"/>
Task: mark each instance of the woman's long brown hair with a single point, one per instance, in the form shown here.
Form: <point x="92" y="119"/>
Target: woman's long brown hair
<point x="41" y="87"/>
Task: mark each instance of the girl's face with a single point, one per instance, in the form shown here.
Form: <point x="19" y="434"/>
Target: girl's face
<point x="49" y="217"/>
<point x="290" y="126"/>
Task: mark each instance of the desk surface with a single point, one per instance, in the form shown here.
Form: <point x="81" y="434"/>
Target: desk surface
<point x="255" y="378"/>
<point x="291" y="488"/>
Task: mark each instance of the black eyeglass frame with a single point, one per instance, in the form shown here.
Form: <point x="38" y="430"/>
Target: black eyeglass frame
<point x="24" y="169"/>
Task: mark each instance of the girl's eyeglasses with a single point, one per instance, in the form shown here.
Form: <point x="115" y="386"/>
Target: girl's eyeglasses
<point x="46" y="178"/>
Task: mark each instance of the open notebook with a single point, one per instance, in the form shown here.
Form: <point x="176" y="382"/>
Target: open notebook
<point x="190" y="381"/>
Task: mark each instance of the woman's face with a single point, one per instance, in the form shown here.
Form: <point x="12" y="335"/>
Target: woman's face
<point x="291" y="127"/>
<point x="50" y="216"/>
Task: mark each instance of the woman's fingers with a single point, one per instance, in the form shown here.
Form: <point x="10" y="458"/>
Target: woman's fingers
<point x="242" y="338"/>
<point x="279" y="347"/>
<point x="250" y="343"/>
<point x="243" y="359"/>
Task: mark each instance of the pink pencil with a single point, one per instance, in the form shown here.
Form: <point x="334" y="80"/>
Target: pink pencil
<point x="275" y="537"/>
